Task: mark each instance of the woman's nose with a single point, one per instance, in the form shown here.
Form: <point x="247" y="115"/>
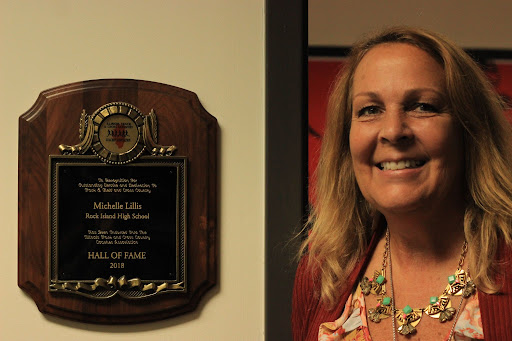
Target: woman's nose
<point x="395" y="128"/>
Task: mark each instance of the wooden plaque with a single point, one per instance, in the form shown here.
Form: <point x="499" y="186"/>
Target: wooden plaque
<point x="117" y="201"/>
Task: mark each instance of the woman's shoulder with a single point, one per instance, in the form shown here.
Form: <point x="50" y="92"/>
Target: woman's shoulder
<point x="496" y="325"/>
<point x="308" y="310"/>
<point x="304" y="288"/>
<point x="306" y="298"/>
<point x="305" y="273"/>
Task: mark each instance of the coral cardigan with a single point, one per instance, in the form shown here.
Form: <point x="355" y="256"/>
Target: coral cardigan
<point x="308" y="312"/>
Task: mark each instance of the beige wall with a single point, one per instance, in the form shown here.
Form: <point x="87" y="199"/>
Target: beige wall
<point x="214" y="48"/>
<point x="471" y="23"/>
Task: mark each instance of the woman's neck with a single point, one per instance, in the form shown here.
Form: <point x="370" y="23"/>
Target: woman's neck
<point x="420" y="239"/>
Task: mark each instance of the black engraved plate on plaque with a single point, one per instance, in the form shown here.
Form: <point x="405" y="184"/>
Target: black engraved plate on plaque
<point x="114" y="221"/>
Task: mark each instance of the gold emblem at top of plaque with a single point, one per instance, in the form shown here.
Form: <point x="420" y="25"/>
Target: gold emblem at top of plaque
<point x="117" y="129"/>
<point x="118" y="133"/>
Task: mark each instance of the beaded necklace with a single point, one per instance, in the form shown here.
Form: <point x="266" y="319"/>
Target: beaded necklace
<point x="439" y="307"/>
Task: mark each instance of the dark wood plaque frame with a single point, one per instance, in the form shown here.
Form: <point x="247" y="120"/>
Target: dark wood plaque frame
<point x="54" y="119"/>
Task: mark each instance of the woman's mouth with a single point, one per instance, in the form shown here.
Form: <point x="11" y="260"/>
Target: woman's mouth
<point x="397" y="165"/>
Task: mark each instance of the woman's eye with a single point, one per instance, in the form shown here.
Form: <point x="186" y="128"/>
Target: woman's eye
<point x="368" y="111"/>
<point x="424" y="107"/>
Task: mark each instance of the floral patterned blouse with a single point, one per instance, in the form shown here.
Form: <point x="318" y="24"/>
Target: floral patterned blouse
<point x="353" y="324"/>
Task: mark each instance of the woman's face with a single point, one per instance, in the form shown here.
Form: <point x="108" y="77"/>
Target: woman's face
<point x="406" y="149"/>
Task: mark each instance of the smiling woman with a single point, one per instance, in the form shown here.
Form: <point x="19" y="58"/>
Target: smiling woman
<point x="414" y="200"/>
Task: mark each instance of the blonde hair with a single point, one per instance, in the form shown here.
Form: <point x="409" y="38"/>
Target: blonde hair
<point x="341" y="220"/>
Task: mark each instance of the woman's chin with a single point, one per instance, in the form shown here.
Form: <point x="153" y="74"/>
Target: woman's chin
<point x="400" y="206"/>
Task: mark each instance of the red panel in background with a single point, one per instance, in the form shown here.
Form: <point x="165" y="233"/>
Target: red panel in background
<point x="322" y="73"/>
<point x="502" y="80"/>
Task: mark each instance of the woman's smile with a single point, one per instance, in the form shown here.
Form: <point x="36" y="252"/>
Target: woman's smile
<point x="398" y="165"/>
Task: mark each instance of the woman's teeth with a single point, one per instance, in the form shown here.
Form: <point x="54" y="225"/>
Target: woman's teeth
<point x="391" y="165"/>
